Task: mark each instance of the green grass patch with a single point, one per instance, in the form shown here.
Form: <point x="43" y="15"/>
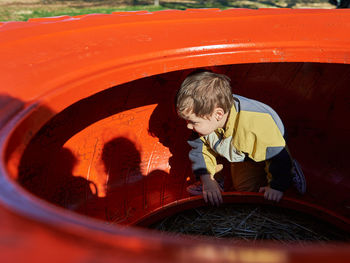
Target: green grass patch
<point x="45" y="8"/>
<point x="23" y="14"/>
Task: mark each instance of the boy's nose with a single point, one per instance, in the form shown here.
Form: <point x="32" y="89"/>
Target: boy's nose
<point x="189" y="126"/>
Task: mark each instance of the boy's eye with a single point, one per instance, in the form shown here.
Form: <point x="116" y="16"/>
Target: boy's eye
<point x="191" y="122"/>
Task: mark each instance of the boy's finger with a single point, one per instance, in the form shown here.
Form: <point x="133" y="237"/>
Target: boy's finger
<point x="267" y="196"/>
<point x="215" y="200"/>
<point x="273" y="197"/>
<point x="262" y="189"/>
<point x="210" y="198"/>
<point x="278" y="197"/>
<point x="205" y="197"/>
<point x="218" y="197"/>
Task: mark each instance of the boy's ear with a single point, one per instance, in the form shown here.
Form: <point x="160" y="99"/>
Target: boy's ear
<point x="219" y="113"/>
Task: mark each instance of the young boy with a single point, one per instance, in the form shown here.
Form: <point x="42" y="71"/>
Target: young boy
<point x="248" y="133"/>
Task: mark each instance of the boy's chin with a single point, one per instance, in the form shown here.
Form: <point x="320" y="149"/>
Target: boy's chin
<point x="203" y="134"/>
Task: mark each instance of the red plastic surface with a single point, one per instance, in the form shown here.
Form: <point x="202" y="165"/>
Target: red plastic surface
<point x="87" y="126"/>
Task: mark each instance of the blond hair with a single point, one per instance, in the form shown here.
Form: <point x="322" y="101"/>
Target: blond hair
<point x="201" y="93"/>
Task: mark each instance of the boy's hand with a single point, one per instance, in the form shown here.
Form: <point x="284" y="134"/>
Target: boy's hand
<point x="211" y="190"/>
<point x="271" y="194"/>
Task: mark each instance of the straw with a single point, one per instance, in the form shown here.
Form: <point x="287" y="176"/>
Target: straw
<point x="246" y="222"/>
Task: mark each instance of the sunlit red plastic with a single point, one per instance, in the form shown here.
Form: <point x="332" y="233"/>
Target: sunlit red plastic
<point x="90" y="142"/>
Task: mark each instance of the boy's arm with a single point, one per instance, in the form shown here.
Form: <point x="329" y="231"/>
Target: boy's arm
<point x="279" y="167"/>
<point x="204" y="167"/>
<point x="203" y="158"/>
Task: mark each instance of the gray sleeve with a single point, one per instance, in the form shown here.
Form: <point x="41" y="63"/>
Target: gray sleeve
<point x="199" y="166"/>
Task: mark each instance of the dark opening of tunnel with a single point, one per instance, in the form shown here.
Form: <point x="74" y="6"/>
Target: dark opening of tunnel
<point x="122" y="153"/>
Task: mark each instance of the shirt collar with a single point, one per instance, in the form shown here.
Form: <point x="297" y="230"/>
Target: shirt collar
<point x="230" y="123"/>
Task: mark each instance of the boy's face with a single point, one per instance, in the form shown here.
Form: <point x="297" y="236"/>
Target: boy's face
<point x="203" y="126"/>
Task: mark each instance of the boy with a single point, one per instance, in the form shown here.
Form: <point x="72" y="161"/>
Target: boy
<point x="248" y="133"/>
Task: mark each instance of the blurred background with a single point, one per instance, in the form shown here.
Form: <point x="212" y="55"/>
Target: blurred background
<point x="22" y="10"/>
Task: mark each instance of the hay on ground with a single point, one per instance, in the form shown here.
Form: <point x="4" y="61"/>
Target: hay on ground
<point x="251" y="222"/>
